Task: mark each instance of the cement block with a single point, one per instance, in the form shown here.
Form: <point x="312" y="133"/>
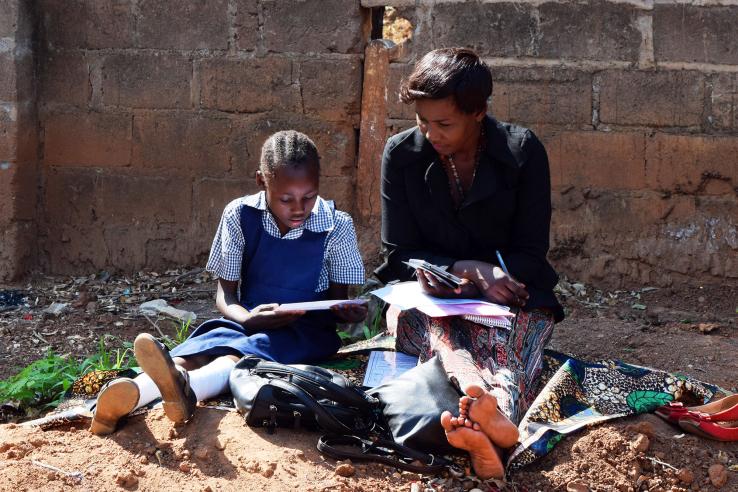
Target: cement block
<point x="331" y="88"/>
<point x="340" y="189"/>
<point x="248" y="37"/>
<point x="336" y="142"/>
<point x="87" y="139"/>
<point x="690" y="33"/>
<point x="8" y="140"/>
<point x="250" y="86"/>
<point x="70" y="196"/>
<point x="93" y="24"/>
<point x="65" y="78"/>
<point x="191" y="25"/>
<point x="597" y="30"/>
<point x="182" y="142"/>
<point x="542" y="95"/>
<point x="144" y="80"/>
<point x="134" y="200"/>
<point x="609" y="161"/>
<point x="693" y="164"/>
<point x="724" y="101"/>
<point x="654" y="98"/>
<point x="8" y="18"/>
<point x="209" y="198"/>
<point x="7" y="77"/>
<point x="315" y="26"/>
<point x="491" y="29"/>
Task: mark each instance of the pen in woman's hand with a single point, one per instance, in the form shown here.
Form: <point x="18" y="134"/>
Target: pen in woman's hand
<point x="502" y="262"/>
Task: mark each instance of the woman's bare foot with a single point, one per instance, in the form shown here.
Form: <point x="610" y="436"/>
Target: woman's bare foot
<point x="484" y="457"/>
<point x="480" y="406"/>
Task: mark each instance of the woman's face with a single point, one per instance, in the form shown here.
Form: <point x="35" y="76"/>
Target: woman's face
<point x="445" y="126"/>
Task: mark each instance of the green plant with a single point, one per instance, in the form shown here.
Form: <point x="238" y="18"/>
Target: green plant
<point x="44" y="382"/>
<point x="182" y="332"/>
<point x="374" y="327"/>
<point x="41" y="383"/>
<point x="105" y="360"/>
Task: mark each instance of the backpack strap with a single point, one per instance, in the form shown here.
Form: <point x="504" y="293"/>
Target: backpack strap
<point x="382" y="451"/>
<point x="320" y="384"/>
<point x="324" y="418"/>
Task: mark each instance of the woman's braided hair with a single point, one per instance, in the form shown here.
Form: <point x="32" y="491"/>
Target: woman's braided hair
<point x="288" y="148"/>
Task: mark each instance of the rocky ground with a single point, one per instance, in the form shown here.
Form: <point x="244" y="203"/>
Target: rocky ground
<point x="688" y="330"/>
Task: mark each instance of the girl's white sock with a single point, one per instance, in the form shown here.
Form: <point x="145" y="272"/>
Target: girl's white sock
<point x="212" y="379"/>
<point x="208" y="381"/>
<point x="147" y="390"/>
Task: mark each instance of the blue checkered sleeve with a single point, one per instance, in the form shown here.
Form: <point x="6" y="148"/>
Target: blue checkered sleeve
<point x="342" y="256"/>
<point x="226" y="254"/>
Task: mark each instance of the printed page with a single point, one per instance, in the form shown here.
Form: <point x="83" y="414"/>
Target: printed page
<point x="386" y="365"/>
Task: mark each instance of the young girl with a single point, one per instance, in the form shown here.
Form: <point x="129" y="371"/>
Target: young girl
<point x="284" y="244"/>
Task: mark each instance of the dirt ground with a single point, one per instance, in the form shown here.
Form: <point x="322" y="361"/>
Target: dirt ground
<point x="691" y="330"/>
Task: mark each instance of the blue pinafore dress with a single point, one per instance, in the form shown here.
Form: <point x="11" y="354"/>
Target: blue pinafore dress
<point x="280" y="271"/>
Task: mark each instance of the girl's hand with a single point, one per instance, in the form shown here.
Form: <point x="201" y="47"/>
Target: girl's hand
<point x="264" y="316"/>
<point x="493" y="282"/>
<point x="433" y="287"/>
<point x="350" y="312"/>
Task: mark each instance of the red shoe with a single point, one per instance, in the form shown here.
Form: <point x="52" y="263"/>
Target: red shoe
<point x="725" y="409"/>
<point x="719" y="431"/>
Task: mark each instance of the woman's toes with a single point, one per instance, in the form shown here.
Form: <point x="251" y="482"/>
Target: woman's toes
<point x="474" y="391"/>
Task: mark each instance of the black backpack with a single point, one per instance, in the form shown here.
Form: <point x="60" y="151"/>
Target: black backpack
<point x="273" y="395"/>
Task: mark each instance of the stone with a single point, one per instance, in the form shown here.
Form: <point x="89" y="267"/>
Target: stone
<point x="345" y="470"/>
<point x="56" y="309"/>
<point x="577" y="486"/>
<point x="640" y="444"/>
<point x="160" y="306"/>
<point x="718" y="475"/>
<point x="685" y="476"/>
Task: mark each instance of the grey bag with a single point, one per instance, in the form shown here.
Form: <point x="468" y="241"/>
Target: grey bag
<point x="412" y="405"/>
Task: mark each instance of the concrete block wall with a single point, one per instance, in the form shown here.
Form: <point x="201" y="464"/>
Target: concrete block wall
<point x="637" y="103"/>
<point x="151" y="116"/>
<point x="18" y="139"/>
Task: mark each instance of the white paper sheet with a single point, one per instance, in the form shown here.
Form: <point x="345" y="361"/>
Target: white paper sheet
<point x="386" y="365"/>
<point x="317" y="305"/>
<point x="409" y="295"/>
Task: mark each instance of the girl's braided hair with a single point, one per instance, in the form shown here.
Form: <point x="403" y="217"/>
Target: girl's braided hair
<point x="288" y="148"/>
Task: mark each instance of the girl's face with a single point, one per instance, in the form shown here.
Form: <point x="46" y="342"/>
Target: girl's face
<point x="445" y="126"/>
<point x="290" y="193"/>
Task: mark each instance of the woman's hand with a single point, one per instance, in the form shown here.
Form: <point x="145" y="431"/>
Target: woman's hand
<point x="350" y="312"/>
<point x="493" y="282"/>
<point x="433" y="287"/>
<point x="264" y="317"/>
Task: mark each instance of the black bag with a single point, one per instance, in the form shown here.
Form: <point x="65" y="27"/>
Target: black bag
<point x="272" y="395"/>
<point x="412" y="405"/>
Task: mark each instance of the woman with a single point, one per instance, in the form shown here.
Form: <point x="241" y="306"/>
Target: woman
<point x="472" y="195"/>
